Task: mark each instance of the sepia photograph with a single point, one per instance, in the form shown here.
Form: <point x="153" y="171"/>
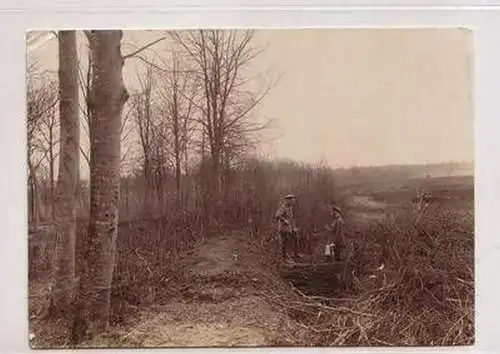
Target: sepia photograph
<point x="250" y="187"/>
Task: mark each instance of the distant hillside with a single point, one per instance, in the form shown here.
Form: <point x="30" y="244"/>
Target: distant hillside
<point x="400" y="172"/>
<point x="445" y="170"/>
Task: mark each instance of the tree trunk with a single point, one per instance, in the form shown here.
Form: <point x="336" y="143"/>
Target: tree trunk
<point x="126" y="190"/>
<point x="33" y="196"/>
<point x="108" y="96"/>
<point x="52" y="172"/>
<point x="178" y="179"/>
<point x="147" y="184"/>
<point x="186" y="192"/>
<point x="68" y="176"/>
<point x="31" y="202"/>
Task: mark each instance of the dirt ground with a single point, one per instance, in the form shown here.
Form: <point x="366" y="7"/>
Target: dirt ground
<point x="222" y="303"/>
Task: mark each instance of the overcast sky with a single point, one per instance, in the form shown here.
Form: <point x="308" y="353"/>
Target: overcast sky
<point x="356" y="97"/>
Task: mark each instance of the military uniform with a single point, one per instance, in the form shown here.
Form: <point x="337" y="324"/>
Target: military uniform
<point x="287" y="230"/>
<point x="337" y="229"/>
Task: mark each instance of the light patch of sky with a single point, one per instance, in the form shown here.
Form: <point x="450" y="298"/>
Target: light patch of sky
<point x="348" y="96"/>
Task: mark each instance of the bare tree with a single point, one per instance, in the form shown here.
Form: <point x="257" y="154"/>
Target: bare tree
<point x="177" y="95"/>
<point x="147" y="130"/>
<point x="42" y="129"/>
<point x="84" y="74"/>
<point x="68" y="176"/>
<point x="107" y="98"/>
<point x="163" y="110"/>
<point x="49" y="134"/>
<point x="219" y="58"/>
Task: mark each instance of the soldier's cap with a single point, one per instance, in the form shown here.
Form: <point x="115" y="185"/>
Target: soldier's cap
<point x="289" y="196"/>
<point x="337" y="209"/>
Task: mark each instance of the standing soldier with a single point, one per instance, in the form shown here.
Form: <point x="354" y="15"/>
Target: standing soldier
<point x="336" y="227"/>
<point x="287" y="226"/>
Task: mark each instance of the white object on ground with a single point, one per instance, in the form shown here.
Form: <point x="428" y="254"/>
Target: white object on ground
<point x="329" y="249"/>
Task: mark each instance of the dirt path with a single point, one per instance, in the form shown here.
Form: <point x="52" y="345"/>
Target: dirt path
<point x="219" y="298"/>
<point x="222" y="301"/>
<point x="220" y="306"/>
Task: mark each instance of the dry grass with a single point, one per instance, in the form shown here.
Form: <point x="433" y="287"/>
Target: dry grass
<point x="424" y="295"/>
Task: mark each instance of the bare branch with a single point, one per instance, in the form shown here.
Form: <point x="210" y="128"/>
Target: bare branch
<point x="85" y="156"/>
<point x="141" y="49"/>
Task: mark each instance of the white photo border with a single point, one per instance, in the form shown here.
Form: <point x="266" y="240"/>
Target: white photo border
<point x="18" y="18"/>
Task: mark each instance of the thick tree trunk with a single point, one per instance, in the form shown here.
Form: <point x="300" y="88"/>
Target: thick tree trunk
<point x="65" y="194"/>
<point x="108" y="96"/>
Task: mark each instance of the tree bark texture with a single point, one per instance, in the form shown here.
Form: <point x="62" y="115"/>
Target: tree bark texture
<point x="108" y="96"/>
<point x="66" y="188"/>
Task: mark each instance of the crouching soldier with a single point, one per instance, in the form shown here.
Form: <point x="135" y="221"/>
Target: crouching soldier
<point x="285" y="216"/>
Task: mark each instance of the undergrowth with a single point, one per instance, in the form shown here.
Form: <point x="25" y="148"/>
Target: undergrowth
<point x="422" y="295"/>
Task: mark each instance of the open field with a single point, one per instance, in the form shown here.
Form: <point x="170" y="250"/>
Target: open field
<point x="206" y="292"/>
